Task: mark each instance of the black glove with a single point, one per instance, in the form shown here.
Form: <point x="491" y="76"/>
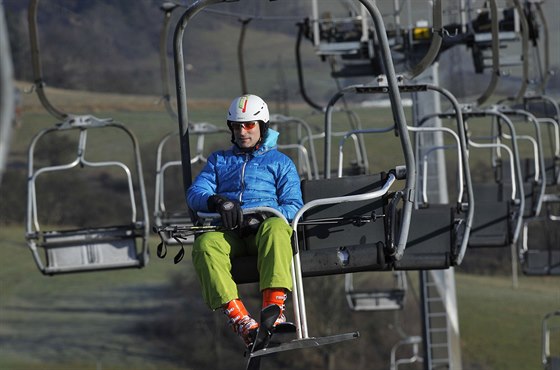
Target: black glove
<point x="230" y="210"/>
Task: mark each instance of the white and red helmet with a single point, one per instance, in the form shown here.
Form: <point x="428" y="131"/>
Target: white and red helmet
<point x="248" y="108"/>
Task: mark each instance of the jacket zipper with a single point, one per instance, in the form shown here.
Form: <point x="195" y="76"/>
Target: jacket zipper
<point x="243" y="178"/>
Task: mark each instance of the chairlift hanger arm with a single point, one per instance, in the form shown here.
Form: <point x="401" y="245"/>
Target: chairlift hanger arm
<point x="495" y="56"/>
<point x="167" y="9"/>
<point x="524" y="49"/>
<point x="39" y="83"/>
<point x="547" y="71"/>
<point x="299" y="65"/>
<point x="435" y="45"/>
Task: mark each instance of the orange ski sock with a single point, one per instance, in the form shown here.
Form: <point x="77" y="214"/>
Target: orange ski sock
<point x="278" y="297"/>
<point x="275" y="296"/>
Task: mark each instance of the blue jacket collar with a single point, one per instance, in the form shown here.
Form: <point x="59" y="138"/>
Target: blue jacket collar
<point x="269" y="142"/>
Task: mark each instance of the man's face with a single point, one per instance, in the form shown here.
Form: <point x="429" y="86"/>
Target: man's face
<point x="246" y="134"/>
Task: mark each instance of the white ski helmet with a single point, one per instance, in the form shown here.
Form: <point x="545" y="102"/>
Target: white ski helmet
<point x="248" y="108"/>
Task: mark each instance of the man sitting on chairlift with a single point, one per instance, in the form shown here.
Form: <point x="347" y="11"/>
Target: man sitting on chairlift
<point x="252" y="173"/>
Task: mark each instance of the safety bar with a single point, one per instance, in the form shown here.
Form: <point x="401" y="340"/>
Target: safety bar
<point x="460" y="187"/>
<point x="512" y="168"/>
<point x="535" y="148"/>
<point x="435" y="44"/>
<point x="353" y="134"/>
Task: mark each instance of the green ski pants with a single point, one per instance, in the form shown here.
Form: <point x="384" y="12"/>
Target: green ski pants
<point x="212" y="253"/>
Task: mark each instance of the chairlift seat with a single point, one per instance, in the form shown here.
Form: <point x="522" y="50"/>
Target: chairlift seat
<point x="91" y="249"/>
<point x="339" y="48"/>
<point x="542" y="262"/>
<point x="381" y="300"/>
<point x="431" y="239"/>
<point x="492" y="219"/>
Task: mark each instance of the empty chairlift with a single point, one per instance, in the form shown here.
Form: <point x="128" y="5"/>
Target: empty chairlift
<point x="540" y="243"/>
<point x="96" y="247"/>
<point x="499" y="213"/>
<point x="84" y="248"/>
<point x="438" y="233"/>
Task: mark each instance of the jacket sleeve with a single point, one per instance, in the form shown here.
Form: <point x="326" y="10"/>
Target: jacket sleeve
<point x="289" y="189"/>
<point x="203" y="187"/>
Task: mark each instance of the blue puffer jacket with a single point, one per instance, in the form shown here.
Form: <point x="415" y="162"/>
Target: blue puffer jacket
<point x="263" y="178"/>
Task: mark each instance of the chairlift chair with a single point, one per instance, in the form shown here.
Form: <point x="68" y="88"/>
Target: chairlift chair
<point x="345" y="39"/>
<point x="438" y="233"/>
<point x="499" y="214"/>
<point x="87" y="248"/>
<point x="322" y="261"/>
<point x="376" y="298"/>
<point x="540" y="243"/>
<point x="546" y="111"/>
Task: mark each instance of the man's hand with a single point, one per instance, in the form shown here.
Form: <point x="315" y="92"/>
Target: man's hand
<point x="230" y="210"/>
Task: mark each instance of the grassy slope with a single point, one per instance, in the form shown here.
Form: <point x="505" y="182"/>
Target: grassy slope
<point x="501" y="326"/>
<point x="78" y="321"/>
<point x="88" y="321"/>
